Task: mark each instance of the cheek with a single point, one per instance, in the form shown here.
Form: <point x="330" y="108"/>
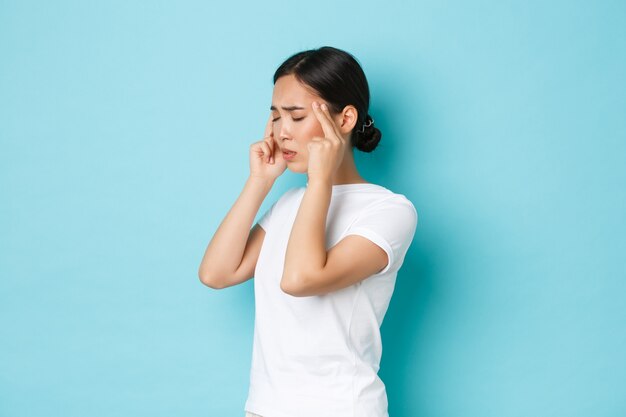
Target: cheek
<point x="313" y="128"/>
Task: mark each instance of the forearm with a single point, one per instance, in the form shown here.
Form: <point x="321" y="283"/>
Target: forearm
<point x="306" y="249"/>
<point x="224" y="253"/>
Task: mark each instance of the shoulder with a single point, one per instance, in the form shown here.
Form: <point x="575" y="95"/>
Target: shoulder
<point x="290" y="194"/>
<point x="392" y="203"/>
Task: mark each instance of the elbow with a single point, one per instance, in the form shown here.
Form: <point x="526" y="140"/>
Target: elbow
<point x="286" y="287"/>
<point x="293" y="285"/>
<point x="210" y="281"/>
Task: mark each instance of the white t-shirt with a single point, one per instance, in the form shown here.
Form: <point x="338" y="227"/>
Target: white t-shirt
<point x="319" y="356"/>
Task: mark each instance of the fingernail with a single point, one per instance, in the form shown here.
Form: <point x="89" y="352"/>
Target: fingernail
<point x="324" y="106"/>
<point x="316" y="105"/>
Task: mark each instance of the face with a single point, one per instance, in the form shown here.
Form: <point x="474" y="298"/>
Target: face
<point x="294" y="123"/>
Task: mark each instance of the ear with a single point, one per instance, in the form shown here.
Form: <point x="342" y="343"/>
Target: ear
<point x="347" y="119"/>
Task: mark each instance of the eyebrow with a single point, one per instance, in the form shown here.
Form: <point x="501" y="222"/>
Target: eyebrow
<point x="288" y="108"/>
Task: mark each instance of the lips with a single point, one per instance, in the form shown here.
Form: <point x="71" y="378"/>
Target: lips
<point x="288" y="155"/>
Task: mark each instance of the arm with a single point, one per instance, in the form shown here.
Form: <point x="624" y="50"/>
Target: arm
<point x="311" y="270"/>
<point x="231" y="256"/>
<point x="306" y="249"/>
<point x="232" y="253"/>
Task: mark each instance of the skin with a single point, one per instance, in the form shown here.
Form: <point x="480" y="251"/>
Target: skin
<point x="291" y="133"/>
<point x="324" y="154"/>
<point x="321" y="140"/>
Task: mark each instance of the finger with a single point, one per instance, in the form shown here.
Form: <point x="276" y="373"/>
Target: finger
<point x="313" y="142"/>
<point x="272" y="146"/>
<point x="332" y="131"/>
<point x="336" y="130"/>
<point x="325" y="121"/>
<point x="266" y="151"/>
<point x="268" y="127"/>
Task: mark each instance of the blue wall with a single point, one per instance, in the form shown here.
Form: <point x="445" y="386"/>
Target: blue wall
<point x="124" y="134"/>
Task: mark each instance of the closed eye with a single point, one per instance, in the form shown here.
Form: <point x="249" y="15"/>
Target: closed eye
<point x="295" y="120"/>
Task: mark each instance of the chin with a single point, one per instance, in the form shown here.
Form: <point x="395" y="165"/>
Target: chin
<point x="297" y="168"/>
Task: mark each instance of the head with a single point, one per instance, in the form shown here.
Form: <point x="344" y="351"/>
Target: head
<point x="327" y="75"/>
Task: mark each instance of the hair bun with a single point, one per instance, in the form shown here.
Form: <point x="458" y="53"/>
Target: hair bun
<point x="368" y="136"/>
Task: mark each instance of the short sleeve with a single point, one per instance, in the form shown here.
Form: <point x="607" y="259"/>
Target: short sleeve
<point x="391" y="225"/>
<point x="266" y="218"/>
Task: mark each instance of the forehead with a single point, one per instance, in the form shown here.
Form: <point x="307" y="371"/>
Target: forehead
<point x="288" y="91"/>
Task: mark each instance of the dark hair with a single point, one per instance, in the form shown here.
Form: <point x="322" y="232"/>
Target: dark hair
<point x="337" y="77"/>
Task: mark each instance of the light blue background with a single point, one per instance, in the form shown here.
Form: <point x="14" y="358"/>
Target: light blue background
<point x="124" y="134"/>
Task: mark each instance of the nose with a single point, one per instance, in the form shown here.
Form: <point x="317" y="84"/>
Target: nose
<point x="284" y="133"/>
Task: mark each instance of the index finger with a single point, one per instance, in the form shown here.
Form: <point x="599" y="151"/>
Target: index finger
<point x="328" y="125"/>
<point x="268" y="128"/>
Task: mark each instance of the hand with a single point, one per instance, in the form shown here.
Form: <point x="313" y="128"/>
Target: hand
<point x="265" y="163"/>
<point x="325" y="154"/>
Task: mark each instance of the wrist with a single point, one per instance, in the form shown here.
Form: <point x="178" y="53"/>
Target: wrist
<point x="319" y="183"/>
<point x="261" y="181"/>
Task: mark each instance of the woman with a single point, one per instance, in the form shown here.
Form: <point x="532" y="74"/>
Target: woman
<point x="325" y="256"/>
